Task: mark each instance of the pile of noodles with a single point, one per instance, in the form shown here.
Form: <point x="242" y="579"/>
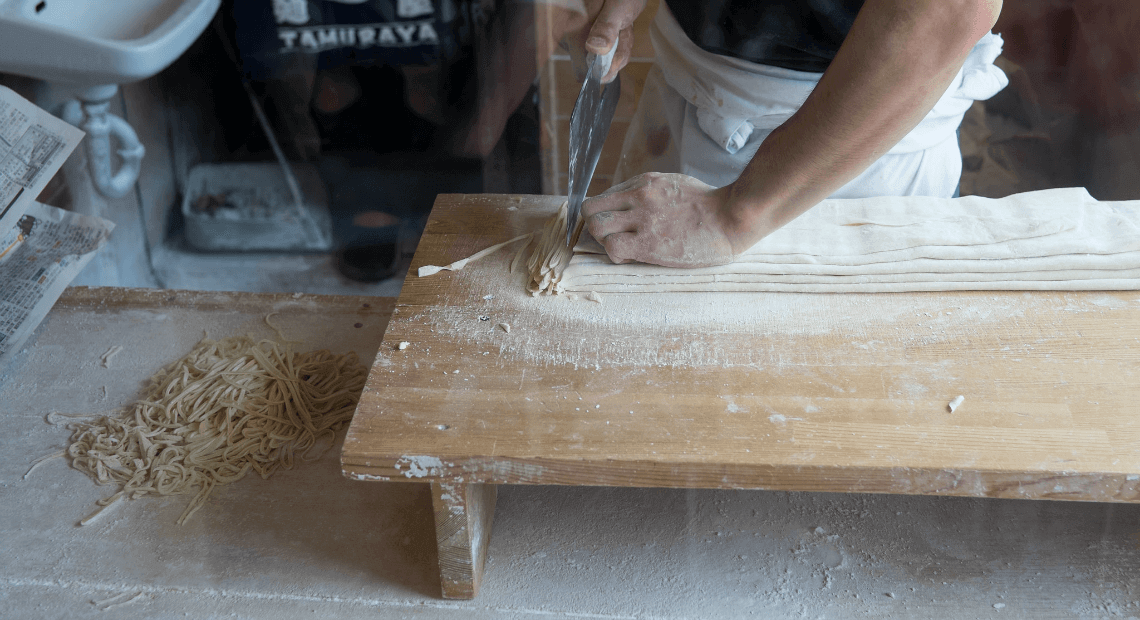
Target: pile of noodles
<point x="228" y="407"/>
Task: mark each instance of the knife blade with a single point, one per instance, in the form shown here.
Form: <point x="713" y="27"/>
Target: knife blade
<point x="589" y="124"/>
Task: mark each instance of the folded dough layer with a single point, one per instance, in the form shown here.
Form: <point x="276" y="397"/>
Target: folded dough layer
<point x="1058" y="239"/>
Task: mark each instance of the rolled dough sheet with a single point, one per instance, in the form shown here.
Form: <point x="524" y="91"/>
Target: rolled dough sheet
<point x="1058" y="239"/>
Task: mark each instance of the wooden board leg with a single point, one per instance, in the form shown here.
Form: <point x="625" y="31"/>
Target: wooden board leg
<point x="463" y="514"/>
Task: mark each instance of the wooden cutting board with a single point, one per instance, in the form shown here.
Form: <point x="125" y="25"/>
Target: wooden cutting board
<point x="813" y="392"/>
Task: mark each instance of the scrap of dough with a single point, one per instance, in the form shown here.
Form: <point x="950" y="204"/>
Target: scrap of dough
<point x="429" y="270"/>
<point x="957" y="402"/>
<point x="403" y="345"/>
<point x="594" y="296"/>
<point x="506" y="327"/>
<point x="109" y="355"/>
<point x="1058" y="239"/>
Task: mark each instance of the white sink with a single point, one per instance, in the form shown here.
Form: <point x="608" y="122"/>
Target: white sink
<point x="98" y="42"/>
<point x="85" y="49"/>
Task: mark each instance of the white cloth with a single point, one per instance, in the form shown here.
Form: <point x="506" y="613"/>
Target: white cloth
<point x="717" y="111"/>
<point x="730" y="133"/>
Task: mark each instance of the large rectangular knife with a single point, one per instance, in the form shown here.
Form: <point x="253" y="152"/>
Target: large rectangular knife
<point x="589" y="124"/>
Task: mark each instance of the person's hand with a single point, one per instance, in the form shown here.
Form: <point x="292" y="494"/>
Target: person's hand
<point x="610" y="22"/>
<point x="672" y="220"/>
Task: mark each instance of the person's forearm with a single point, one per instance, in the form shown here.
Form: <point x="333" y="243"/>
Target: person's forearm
<point x="505" y="71"/>
<point x="522" y="37"/>
<point x="897" y="61"/>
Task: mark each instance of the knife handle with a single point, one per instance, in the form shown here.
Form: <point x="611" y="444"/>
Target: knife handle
<point x="599" y="66"/>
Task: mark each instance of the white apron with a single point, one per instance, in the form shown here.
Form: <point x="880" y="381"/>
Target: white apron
<point x="705" y="115"/>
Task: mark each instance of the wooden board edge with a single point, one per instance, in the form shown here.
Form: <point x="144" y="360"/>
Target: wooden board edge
<point x="1114" y="487"/>
<point x="113" y="297"/>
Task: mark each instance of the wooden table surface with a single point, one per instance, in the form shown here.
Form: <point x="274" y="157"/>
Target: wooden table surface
<point x="763" y="391"/>
<point x="810" y="392"/>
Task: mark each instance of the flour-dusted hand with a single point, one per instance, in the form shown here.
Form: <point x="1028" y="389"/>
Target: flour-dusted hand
<point x="609" y="23"/>
<point x="671" y="220"/>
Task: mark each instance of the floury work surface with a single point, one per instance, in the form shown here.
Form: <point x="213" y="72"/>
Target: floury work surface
<point x="309" y="543"/>
<point x="794" y="392"/>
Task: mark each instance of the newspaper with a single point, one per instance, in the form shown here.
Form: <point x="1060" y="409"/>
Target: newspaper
<point x="42" y="248"/>
<point x="33" y="145"/>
